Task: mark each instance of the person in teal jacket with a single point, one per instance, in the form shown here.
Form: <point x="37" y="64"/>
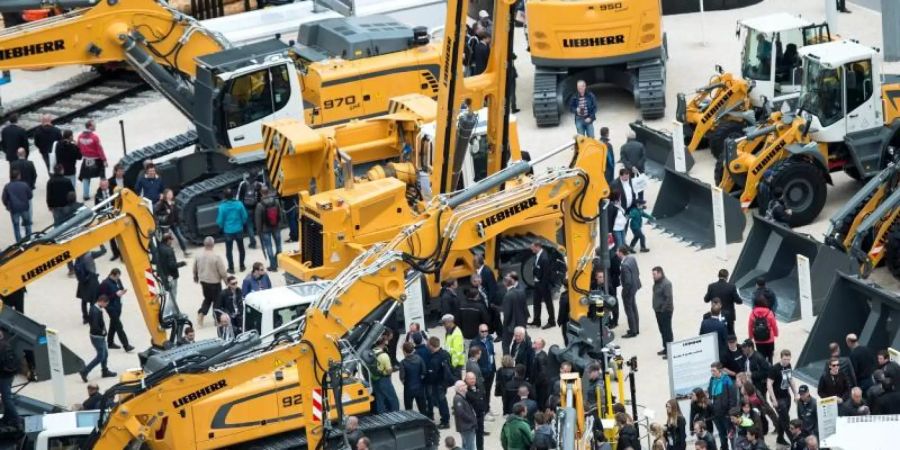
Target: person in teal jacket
<point x="635" y="221"/>
<point x="231" y="219"/>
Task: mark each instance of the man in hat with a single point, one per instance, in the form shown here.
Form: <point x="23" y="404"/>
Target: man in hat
<point x="453" y="343"/>
<point x="806" y="410"/>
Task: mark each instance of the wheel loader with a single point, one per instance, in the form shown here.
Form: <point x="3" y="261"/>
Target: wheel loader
<point x="614" y="42"/>
<point x="729" y="103"/>
<point x="842" y="124"/>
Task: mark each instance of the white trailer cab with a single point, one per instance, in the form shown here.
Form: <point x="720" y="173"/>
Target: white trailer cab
<point x="66" y="430"/>
<point x="267" y="310"/>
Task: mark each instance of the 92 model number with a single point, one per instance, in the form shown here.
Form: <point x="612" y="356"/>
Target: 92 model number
<point x="349" y="100"/>
<point x="292" y="400"/>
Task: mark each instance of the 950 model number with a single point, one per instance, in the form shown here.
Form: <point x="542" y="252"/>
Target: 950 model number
<point x="611" y="6"/>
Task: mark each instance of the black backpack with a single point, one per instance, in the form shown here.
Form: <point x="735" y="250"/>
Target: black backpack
<point x="9" y="362"/>
<point x="761" y="331"/>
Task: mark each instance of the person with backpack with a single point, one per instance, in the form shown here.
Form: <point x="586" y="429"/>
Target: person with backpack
<point x="268" y="221"/>
<point x="763" y="328"/>
<point x="9" y="367"/>
<point x="93" y="164"/>
<point x="248" y="193"/>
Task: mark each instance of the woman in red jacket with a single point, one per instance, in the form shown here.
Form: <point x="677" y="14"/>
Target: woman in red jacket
<point x="762" y="327"/>
<point x="93" y="164"/>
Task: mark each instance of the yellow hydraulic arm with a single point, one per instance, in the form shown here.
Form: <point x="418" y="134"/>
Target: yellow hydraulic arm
<point x="156" y="412"/>
<point x="123" y="217"/>
<point x="99" y="34"/>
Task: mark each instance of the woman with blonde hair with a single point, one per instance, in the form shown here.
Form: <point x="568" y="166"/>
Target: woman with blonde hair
<point x="676" y="427"/>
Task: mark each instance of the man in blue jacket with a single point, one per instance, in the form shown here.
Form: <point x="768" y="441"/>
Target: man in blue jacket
<point x="584" y="105"/>
<point x="486" y="362"/>
<point x="231" y="219"/>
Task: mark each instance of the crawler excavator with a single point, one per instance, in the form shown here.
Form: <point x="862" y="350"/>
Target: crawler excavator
<point x="181" y="403"/>
<point x="340" y="219"/>
<point x="728" y="103"/>
<point x="615" y="42"/>
<point x="340" y="69"/>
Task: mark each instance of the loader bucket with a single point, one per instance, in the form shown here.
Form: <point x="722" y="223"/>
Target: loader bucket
<point x="684" y="209"/>
<point x="770" y="253"/>
<point x="658" y="150"/>
<point x="851" y="306"/>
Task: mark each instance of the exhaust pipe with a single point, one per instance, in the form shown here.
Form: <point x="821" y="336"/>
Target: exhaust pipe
<point x="658" y="150"/>
<point x="851" y="306"/>
<point x="770" y="253"/>
<point x="684" y="208"/>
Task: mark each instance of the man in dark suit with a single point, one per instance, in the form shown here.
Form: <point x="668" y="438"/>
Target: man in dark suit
<point x="103" y="193"/>
<point x="543" y="281"/>
<point x="491" y="291"/>
<point x="113" y="289"/>
<point x="542" y="372"/>
<point x="515" y="308"/>
<point x="13" y="138"/>
<point x="631" y="283"/>
<point x="25" y="168"/>
<point x="727" y="294"/>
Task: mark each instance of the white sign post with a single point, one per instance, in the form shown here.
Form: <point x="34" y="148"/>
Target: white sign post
<point x="57" y="375"/>
<point x="718" y="207"/>
<point x="827" y="412"/>
<point x="831" y="16"/>
<point x="413" y="306"/>
<point x="702" y="24"/>
<point x="689" y="362"/>
<point x="678" y="146"/>
<point x="805" y="289"/>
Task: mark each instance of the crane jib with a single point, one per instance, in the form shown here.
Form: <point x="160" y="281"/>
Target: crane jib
<point x="32" y="49"/>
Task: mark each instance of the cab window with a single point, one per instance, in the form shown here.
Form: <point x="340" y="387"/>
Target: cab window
<point x="248" y="98"/>
<point x="281" y="86"/>
<point x="757" y="56"/>
<point x="287" y="314"/>
<point x="787" y="56"/>
<point x="859" y="83"/>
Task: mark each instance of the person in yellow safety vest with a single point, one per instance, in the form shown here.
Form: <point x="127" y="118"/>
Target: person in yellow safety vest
<point x="454" y="345"/>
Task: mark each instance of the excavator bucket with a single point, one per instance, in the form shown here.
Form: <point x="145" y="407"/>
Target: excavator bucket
<point x="851" y="306"/>
<point x="684" y="208"/>
<point x="658" y="150"/>
<point x="28" y="335"/>
<point x="769" y="253"/>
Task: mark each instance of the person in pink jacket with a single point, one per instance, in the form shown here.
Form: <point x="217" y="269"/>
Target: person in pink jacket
<point x="762" y="327"/>
<point x="93" y="164"/>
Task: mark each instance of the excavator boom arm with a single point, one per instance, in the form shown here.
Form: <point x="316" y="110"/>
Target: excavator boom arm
<point x="125" y="218"/>
<point x="96" y="36"/>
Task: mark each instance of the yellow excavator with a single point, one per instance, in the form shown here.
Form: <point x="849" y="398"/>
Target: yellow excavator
<point x="340" y="69"/>
<point x="340" y="219"/>
<point x="126" y="218"/>
<point x="615" y="42"/>
<point x="182" y="403"/>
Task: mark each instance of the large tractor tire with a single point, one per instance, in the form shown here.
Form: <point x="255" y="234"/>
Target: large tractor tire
<point x="892" y="252"/>
<point x="724" y="130"/>
<point x="804" y="189"/>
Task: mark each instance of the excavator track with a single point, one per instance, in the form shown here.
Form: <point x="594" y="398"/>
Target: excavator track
<point x="82" y="96"/>
<point x="545" y="103"/>
<point x="199" y="193"/>
<point x="651" y="90"/>
<point x="408" y="430"/>
<point x="133" y="161"/>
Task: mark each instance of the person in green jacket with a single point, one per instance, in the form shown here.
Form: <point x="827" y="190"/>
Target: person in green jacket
<point x="516" y="433"/>
<point x="636" y="217"/>
<point x="454" y="345"/>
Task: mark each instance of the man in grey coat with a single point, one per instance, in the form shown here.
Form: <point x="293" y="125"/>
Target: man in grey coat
<point x="663" y="306"/>
<point x="630" y="278"/>
<point x="464" y="415"/>
<point x="632" y="154"/>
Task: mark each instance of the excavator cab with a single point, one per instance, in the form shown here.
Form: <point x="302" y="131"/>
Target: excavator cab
<point x="770" y="54"/>
<point x="240" y="88"/>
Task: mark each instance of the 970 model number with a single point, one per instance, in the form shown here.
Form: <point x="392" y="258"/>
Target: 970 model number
<point x="349" y="100"/>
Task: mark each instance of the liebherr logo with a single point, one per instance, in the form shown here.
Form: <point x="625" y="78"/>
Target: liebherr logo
<point x="508" y="212"/>
<point x="772" y="154"/>
<point x="594" y="41"/>
<point x="32" y="49"/>
<point x="46" y="266"/>
<point x="715" y="107"/>
<point x="199" y="393"/>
